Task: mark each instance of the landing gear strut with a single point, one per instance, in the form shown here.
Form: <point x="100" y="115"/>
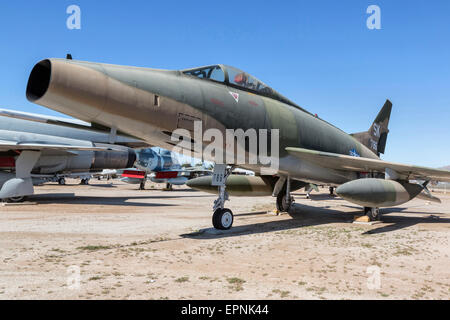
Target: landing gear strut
<point x="222" y="218"/>
<point x="373" y="213"/>
<point x="142" y="182"/>
<point x="169" y="187"/>
<point x="284" y="198"/>
<point x="331" y="191"/>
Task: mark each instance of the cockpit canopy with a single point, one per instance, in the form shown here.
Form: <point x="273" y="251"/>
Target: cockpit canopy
<point x="236" y="78"/>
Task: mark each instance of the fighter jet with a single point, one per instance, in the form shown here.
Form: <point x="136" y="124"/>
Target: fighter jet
<point x="36" y="149"/>
<point x="160" y="167"/>
<point x="152" y="104"/>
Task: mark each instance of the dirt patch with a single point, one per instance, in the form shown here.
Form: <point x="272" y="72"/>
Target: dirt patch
<point x="111" y="241"/>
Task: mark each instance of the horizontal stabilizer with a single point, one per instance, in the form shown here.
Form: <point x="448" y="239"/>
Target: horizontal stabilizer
<point x="428" y="197"/>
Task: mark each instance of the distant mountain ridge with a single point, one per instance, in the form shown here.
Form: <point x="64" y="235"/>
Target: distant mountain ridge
<point x="445" y="168"/>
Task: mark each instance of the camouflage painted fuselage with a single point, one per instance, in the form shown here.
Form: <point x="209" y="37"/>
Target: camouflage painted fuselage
<point x="151" y="104"/>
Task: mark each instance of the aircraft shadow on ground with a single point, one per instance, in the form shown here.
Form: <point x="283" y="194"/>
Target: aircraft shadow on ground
<point x="168" y="191"/>
<point x="175" y="190"/>
<point x="110" y="185"/>
<point x="106" y="201"/>
<point x="306" y="216"/>
<point x="302" y="216"/>
<point x="319" y="197"/>
<point x="394" y="222"/>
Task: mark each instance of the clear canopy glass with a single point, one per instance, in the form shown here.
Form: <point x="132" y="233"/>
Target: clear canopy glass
<point x="215" y="73"/>
<point x="236" y="78"/>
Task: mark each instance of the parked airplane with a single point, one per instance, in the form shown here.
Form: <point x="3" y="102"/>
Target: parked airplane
<point x="36" y="148"/>
<point x="160" y="167"/>
<point x="151" y="104"/>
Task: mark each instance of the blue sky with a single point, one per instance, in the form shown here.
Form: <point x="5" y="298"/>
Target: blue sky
<point x="319" y="54"/>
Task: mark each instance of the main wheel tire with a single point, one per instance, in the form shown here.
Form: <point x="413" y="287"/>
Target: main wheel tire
<point x="223" y="219"/>
<point x="61" y="181"/>
<point x="372" y="213"/>
<point x="15" y="199"/>
<point x="283" y="205"/>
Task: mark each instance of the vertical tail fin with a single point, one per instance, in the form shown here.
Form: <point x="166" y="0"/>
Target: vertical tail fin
<point x="375" y="138"/>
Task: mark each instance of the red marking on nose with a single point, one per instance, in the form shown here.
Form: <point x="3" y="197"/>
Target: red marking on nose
<point x="218" y="102"/>
<point x="253" y="103"/>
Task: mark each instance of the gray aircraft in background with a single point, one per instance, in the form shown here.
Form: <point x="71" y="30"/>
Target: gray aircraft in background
<point x="36" y="148"/>
<point x="161" y="167"/>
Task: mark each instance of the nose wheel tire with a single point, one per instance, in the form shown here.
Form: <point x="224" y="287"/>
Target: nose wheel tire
<point x="222" y="219"/>
<point x="373" y="213"/>
<point x="61" y="181"/>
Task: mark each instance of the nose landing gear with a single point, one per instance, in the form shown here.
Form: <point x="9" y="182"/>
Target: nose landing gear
<point x="222" y="218"/>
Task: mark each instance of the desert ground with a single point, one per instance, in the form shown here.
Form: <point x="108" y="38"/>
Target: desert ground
<point x="109" y="240"/>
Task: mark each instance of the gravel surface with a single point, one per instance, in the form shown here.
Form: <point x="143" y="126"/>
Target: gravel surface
<point x="108" y="240"/>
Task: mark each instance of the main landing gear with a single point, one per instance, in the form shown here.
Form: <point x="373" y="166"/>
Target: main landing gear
<point x="142" y="182"/>
<point x="284" y="202"/>
<point x="222" y="218"/>
<point x="169" y="187"/>
<point x="332" y="192"/>
<point x="15" y="199"/>
<point x="284" y="197"/>
<point x="374" y="214"/>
